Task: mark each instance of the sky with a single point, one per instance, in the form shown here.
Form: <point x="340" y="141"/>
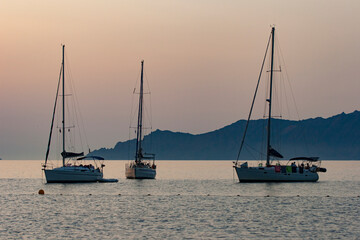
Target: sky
<point x="202" y="59"/>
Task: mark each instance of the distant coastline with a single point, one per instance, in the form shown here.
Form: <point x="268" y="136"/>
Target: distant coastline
<point x="333" y="138"/>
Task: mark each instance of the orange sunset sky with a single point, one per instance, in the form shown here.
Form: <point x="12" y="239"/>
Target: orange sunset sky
<point x="202" y="60"/>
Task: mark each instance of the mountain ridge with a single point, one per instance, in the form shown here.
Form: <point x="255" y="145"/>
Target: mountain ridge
<point x="333" y="138"/>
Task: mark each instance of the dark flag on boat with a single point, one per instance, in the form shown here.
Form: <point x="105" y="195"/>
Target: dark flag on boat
<point x="274" y="153"/>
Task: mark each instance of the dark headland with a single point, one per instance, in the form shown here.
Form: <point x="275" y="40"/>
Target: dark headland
<point x="333" y="138"/>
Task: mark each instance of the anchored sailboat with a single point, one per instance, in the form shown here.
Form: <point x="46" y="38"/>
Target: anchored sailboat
<point x="141" y="167"/>
<point x="305" y="170"/>
<point x="74" y="168"/>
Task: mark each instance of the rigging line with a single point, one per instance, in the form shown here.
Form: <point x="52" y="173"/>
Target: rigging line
<point x="277" y="84"/>
<point x="251" y="151"/>
<point x="151" y="125"/>
<point x="286" y="97"/>
<point x="293" y="98"/>
<point x="148" y="115"/>
<point x="233" y="175"/>
<point x="280" y="81"/>
<point x="77" y="115"/>
<point x="132" y="116"/>
<point x="267" y="87"/>
<point x="149" y="109"/>
<point x="278" y="97"/>
<point x="263" y="133"/>
<point x="287" y="78"/>
<point x="253" y="101"/>
<point x="130" y="121"/>
<point x="77" y="110"/>
<point x="81" y="125"/>
<point x="147" y="81"/>
<point x="128" y="153"/>
<point x="53" y="115"/>
<point x="69" y="116"/>
<point x="277" y="106"/>
<point x="133" y="112"/>
<point x="148" y="112"/>
<point x="255" y="151"/>
<point x="72" y="116"/>
<point x="147" y="125"/>
<point x="58" y="135"/>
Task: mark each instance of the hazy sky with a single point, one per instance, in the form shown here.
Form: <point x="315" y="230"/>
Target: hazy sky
<point x="202" y="60"/>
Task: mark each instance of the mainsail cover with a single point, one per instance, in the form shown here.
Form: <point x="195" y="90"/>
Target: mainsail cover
<point x="71" y="154"/>
<point x="311" y="159"/>
<point x="91" y="157"/>
<point x="274" y="153"/>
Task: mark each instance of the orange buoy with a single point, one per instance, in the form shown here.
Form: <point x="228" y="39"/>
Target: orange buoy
<point x="42" y="192"/>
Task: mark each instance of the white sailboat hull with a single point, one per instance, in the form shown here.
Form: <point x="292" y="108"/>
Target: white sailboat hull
<point x="268" y="174"/>
<point x="72" y="175"/>
<point x="134" y="172"/>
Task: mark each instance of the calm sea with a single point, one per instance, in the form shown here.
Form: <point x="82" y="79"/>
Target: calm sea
<point x="188" y="200"/>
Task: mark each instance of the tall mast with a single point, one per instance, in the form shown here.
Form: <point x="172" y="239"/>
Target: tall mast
<point x="138" y="155"/>
<point x="63" y="102"/>
<point x="270" y="96"/>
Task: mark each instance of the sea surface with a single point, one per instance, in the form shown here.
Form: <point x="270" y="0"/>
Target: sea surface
<point x="188" y="200"/>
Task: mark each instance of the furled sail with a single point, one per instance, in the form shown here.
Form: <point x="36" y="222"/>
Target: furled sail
<point x="91" y="157"/>
<point x="311" y="159"/>
<point x="71" y="154"/>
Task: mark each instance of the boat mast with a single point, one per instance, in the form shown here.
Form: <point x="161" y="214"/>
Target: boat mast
<point x="138" y="155"/>
<point x="63" y="103"/>
<point x="270" y="96"/>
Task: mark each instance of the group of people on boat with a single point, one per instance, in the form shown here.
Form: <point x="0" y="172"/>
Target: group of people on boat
<point x="292" y="168"/>
<point x="89" y="166"/>
<point x="143" y="164"/>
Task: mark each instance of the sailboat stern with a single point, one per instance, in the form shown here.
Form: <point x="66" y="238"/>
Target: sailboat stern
<point x="133" y="171"/>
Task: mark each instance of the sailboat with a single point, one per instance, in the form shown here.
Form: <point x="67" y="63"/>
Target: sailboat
<point x="141" y="167"/>
<point x="297" y="169"/>
<point x="74" y="168"/>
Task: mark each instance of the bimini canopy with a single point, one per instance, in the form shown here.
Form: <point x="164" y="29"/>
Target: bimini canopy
<point x="71" y="154"/>
<point x="91" y="157"/>
<point x="311" y="159"/>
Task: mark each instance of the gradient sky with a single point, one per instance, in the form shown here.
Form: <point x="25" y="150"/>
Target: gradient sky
<point x="202" y="60"/>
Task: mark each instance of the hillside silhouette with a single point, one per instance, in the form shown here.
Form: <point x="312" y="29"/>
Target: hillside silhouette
<point x="333" y="138"/>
